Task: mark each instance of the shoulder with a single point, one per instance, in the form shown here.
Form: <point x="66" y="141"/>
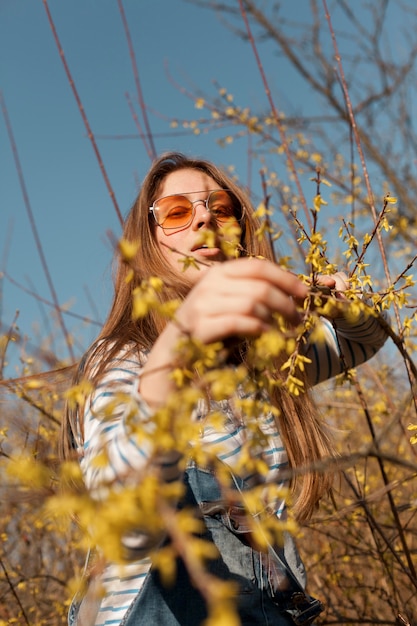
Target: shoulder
<point x="107" y="361"/>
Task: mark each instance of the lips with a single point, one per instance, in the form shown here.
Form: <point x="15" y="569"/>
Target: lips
<point x="206" y="251"/>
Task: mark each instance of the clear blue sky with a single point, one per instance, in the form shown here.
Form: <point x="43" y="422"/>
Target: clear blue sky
<point x="69" y="200"/>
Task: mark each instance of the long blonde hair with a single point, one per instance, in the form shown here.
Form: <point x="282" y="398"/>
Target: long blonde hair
<point x="303" y="433"/>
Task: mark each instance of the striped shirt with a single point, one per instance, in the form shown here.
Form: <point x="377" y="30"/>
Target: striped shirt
<point x="344" y="345"/>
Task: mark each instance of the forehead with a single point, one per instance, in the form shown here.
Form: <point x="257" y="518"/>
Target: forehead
<point x="187" y="181"/>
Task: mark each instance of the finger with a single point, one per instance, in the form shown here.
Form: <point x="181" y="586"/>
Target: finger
<point x="219" y="317"/>
<point x="326" y="281"/>
<point x="338" y="281"/>
<point x="223" y="326"/>
<point x="267" y="271"/>
<point x="342" y="281"/>
<point x="256" y="298"/>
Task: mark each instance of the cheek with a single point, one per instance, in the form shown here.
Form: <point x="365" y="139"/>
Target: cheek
<point x="170" y="239"/>
<point x="164" y="239"/>
<point x="168" y="242"/>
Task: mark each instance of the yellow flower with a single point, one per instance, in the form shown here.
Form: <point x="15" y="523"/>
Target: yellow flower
<point x="128" y="249"/>
<point x="316" y="157"/>
<point x="318" y="201"/>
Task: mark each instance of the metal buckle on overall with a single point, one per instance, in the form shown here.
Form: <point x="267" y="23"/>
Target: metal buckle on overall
<point x="304" y="609"/>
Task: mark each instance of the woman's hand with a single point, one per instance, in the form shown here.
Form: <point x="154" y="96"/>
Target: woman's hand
<point x="234" y="298"/>
<point x="338" y="282"/>
<point x="238" y="298"/>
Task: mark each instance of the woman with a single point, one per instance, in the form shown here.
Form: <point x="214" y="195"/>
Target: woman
<point x="178" y="227"/>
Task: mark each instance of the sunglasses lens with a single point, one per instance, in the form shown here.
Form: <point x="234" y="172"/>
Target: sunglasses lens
<point x="176" y="211"/>
<point x="173" y="212"/>
<point x="222" y="206"/>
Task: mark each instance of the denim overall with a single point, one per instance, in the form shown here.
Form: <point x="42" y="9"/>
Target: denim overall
<point x="256" y="602"/>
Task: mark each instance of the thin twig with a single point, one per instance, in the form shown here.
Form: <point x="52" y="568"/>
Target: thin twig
<point x="151" y="147"/>
<point x="8" y="338"/>
<point x="366" y="245"/>
<point x="374" y="526"/>
<point x="83" y="114"/>
<point x="12" y="589"/>
<point x="275" y="114"/>
<point x="39" y="298"/>
<point x="386" y="482"/>
<point x="135" y="118"/>
<point x="267" y="220"/>
<point x="34" y="228"/>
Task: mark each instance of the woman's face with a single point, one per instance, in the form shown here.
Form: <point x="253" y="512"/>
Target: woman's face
<point x="175" y="244"/>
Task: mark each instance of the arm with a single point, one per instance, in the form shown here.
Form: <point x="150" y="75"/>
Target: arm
<point x="345" y="343"/>
<point x="107" y="431"/>
<point x="110" y="412"/>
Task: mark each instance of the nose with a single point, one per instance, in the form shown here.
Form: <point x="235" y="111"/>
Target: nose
<point x="202" y="217"/>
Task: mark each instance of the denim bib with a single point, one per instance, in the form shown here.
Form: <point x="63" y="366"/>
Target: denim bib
<point x="182" y="604"/>
<point x="258" y="602"/>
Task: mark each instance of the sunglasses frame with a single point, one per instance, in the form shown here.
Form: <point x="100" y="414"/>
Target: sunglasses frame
<point x="153" y="208"/>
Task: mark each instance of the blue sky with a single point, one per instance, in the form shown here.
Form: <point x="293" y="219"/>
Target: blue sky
<point x="70" y="203"/>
